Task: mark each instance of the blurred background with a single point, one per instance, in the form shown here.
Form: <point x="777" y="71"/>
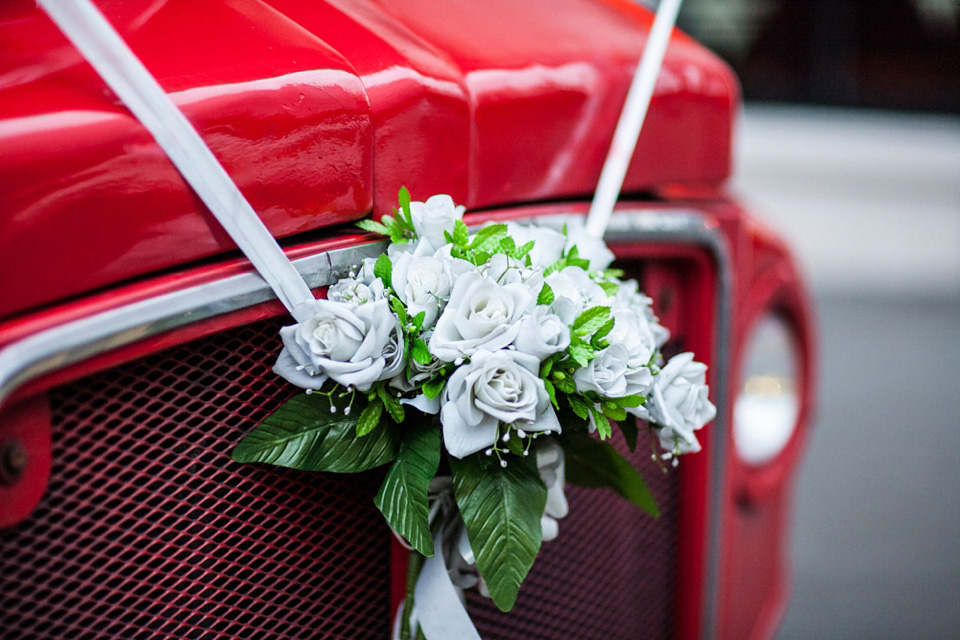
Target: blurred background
<point x="849" y="145"/>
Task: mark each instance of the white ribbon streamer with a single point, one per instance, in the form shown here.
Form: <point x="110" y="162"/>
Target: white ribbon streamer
<point x="631" y="119"/>
<point x="110" y="56"/>
<point x="438" y="603"/>
<point x="439" y="610"/>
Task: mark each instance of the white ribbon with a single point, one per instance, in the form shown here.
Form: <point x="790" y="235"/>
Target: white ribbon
<point x="631" y="119"/>
<point x="110" y="56"/>
<point x="439" y="608"/>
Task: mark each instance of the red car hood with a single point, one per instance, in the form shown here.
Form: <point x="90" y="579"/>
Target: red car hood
<point x="320" y="112"/>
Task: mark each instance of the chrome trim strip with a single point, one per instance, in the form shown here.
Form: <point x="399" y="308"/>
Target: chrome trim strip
<point x="52" y="349"/>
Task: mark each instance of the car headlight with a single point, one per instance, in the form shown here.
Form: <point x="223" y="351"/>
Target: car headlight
<point x="767" y="405"/>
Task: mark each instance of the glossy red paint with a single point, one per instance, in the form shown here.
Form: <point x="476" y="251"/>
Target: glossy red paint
<point x="322" y="111"/>
<point x="755" y="569"/>
<point x="752" y="580"/>
<point x="90" y="199"/>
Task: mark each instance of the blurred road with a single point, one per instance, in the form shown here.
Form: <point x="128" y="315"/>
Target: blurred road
<point x="871" y="203"/>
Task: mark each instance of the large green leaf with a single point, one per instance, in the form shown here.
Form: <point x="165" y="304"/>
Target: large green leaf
<point x="591" y="463"/>
<point x="501" y="507"/>
<point x="403" y="495"/>
<point x="305" y="434"/>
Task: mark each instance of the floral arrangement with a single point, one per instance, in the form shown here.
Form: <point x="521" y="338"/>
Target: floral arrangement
<point x="477" y="365"/>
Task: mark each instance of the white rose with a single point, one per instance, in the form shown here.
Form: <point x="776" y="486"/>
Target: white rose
<point x="630" y="296"/>
<point x="542" y="333"/>
<point x="573" y="292"/>
<point x="355" y="292"/>
<point x="680" y="404"/>
<point x="632" y="330"/>
<point x="433" y="217"/>
<point x="548" y="244"/>
<point x="481" y="314"/>
<point x="414" y="376"/>
<point x="588" y="247"/>
<point x="350" y="344"/>
<point x="606" y="374"/>
<point x="507" y="270"/>
<point x="550" y="464"/>
<point x="421" y="283"/>
<point x="494" y="387"/>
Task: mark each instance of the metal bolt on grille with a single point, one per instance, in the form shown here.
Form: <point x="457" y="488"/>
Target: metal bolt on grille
<point x="149" y="530"/>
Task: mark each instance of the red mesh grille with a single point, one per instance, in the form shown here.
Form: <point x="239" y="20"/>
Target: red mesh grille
<point x="149" y="530"/>
<point x="608" y="575"/>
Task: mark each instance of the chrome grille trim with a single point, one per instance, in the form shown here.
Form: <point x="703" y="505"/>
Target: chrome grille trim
<point x="47" y="351"/>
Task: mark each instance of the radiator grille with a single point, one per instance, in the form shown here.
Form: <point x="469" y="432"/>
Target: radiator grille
<point x="608" y="575"/>
<point x="149" y="530"/>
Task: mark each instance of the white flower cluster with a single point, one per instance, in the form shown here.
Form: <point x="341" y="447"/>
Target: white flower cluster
<point x="490" y="333"/>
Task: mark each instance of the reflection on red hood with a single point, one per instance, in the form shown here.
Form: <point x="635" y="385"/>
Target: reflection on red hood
<point x="320" y="112"/>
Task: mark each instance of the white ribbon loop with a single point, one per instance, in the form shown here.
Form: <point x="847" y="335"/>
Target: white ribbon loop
<point x="120" y="68"/>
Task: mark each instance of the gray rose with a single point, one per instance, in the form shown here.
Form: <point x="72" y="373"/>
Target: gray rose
<point x="433" y="217"/>
<point x="493" y="387"/>
<point x="680" y="403"/>
<point x="542" y="333"/>
<point x="353" y="345"/>
<point x="421" y="283"/>
<point x="481" y="314"/>
<point x="632" y="331"/>
<point x="548" y="244"/>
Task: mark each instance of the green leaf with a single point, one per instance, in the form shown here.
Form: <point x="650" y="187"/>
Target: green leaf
<point x="547" y="366"/>
<point x="580" y="406"/>
<point x="414" y="566"/>
<point x="375" y="227"/>
<point x="398" y="309"/>
<point x="612" y="411"/>
<point x="432" y="388"/>
<point x="629" y="402"/>
<point x="487" y="239"/>
<point x="564" y="382"/>
<point x="552" y="392"/>
<point x="629" y="429"/>
<point x="546" y="295"/>
<point x="390" y="223"/>
<point x="508" y="245"/>
<point x="393" y="406"/>
<point x="501" y="508"/>
<point x="418" y="320"/>
<point x="369" y="417"/>
<point x="524" y="249"/>
<point x="402" y="498"/>
<point x="383" y="269"/>
<point x="603" y="425"/>
<point x="604" y="329"/>
<point x="609" y="288"/>
<point x="404" y="198"/>
<point x="420" y="352"/>
<point x="590" y="463"/>
<point x="515" y="445"/>
<point x="581" y="352"/>
<point x="590" y="320"/>
<point x="461" y="235"/>
<point x="304" y="434"/>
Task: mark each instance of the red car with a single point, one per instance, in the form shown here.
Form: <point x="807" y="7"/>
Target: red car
<point x="136" y="341"/>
